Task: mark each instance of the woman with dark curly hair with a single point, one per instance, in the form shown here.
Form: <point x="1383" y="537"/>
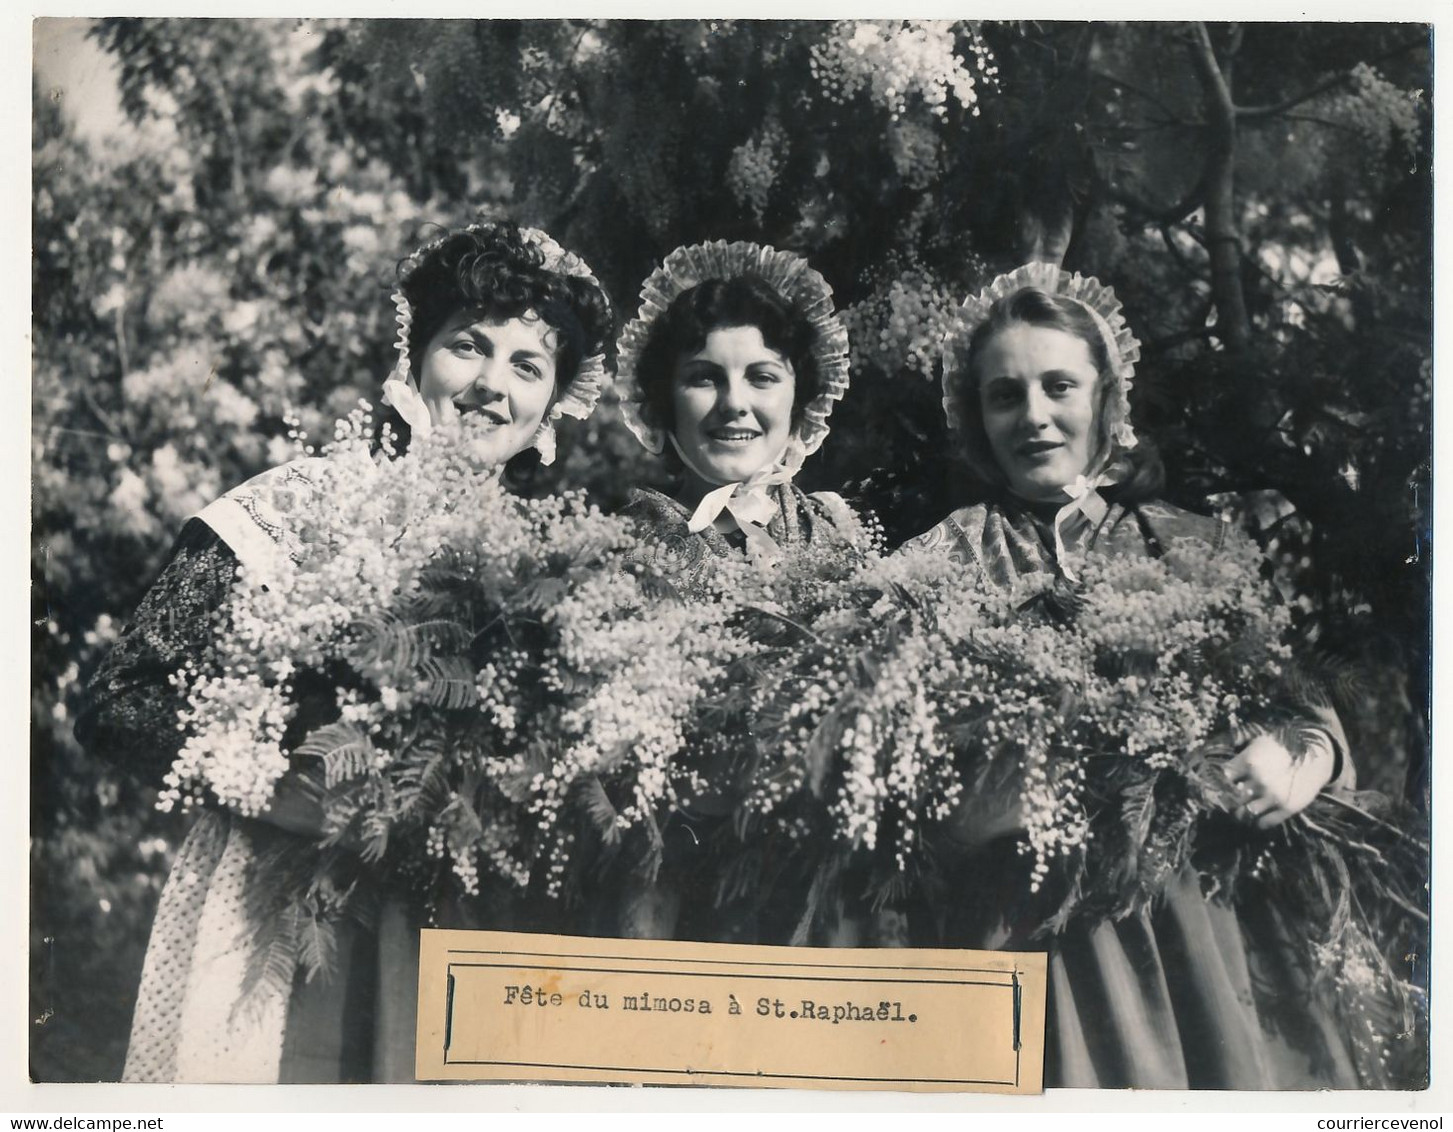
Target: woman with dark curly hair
<point x="729" y="371"/>
<point x="495" y="322"/>
<point x="496" y="297"/>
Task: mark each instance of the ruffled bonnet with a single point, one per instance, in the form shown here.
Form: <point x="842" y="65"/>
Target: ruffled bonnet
<point x="578" y="399"/>
<point x="1083" y="505"/>
<point x="1121" y="346"/>
<point x="791" y="277"/>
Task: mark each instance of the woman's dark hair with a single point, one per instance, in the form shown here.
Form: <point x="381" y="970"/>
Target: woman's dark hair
<point x="744" y="300"/>
<point x="490" y="268"/>
<point x="1141" y="473"/>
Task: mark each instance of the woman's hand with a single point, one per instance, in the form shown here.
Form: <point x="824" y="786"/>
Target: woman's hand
<point x="1274" y="784"/>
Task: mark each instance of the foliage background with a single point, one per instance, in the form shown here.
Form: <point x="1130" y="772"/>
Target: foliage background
<point x="1259" y="196"/>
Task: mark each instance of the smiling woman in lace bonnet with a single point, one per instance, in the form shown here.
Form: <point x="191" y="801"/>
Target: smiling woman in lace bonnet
<point x="493" y="321"/>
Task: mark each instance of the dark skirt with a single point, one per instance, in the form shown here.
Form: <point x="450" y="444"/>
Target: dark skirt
<point x="1192" y="993"/>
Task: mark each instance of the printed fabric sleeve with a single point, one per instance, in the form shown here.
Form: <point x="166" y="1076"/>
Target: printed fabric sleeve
<point x="129" y="716"/>
<point x="947" y="537"/>
<point x="1323" y="726"/>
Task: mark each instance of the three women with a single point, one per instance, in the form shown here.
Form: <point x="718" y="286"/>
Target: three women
<point x="730" y="372"/>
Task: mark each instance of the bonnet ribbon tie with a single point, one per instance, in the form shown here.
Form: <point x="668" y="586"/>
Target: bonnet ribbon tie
<point x="747" y="503"/>
<point x="403" y="395"/>
<point x="1086" y="508"/>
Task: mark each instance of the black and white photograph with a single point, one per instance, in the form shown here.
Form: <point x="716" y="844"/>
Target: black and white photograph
<point x="832" y="483"/>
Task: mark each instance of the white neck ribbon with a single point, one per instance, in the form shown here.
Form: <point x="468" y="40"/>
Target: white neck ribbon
<point x="748" y="503"/>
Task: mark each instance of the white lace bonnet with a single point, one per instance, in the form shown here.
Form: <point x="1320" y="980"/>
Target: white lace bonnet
<point x="790" y="276"/>
<point x="1122" y="347"/>
<point x="577" y="400"/>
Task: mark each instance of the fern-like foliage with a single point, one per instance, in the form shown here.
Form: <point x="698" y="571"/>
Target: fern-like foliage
<point x="448" y="682"/>
<point x="317" y="947"/>
<point x="344" y="749"/>
<point x="421" y="785"/>
<point x="389" y="642"/>
<point x="540" y="595"/>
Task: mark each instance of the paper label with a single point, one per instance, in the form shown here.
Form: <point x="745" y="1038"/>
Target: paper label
<point x="509" y="1006"/>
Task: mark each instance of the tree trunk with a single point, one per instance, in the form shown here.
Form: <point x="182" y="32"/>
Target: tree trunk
<point x="1223" y="239"/>
<point x="1045" y="213"/>
<point x="211" y="78"/>
<point x="1045" y="228"/>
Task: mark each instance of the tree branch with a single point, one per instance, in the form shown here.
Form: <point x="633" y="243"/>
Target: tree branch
<point x="1161" y="216"/>
<point x="1213" y="83"/>
<point x="206" y="71"/>
<point x="1223" y="241"/>
<point x="1153" y="126"/>
<point x="1195" y="232"/>
<point x="1271" y="110"/>
<point x="547" y="108"/>
<point x="1233" y="43"/>
<point x="1258" y="113"/>
<point x="1175" y="252"/>
<point x="1293" y="116"/>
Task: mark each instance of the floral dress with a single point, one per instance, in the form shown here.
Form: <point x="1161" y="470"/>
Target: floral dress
<point x="801" y="519"/>
<point x="1195" y="993"/>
